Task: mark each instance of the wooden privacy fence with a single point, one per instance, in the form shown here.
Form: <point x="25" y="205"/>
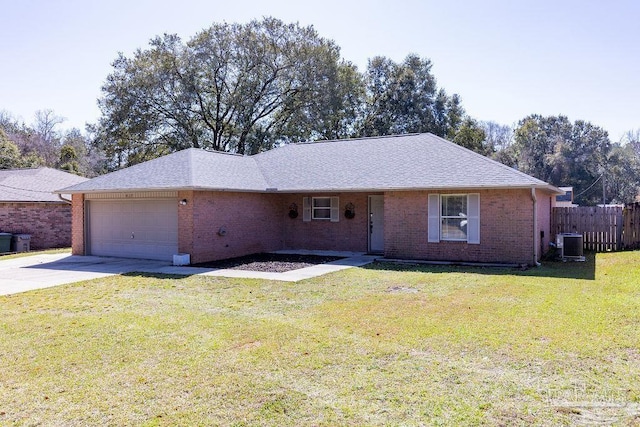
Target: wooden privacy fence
<point x="631" y="226"/>
<point x="602" y="227"/>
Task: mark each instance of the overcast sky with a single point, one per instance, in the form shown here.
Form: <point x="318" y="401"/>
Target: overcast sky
<point x="505" y="58"/>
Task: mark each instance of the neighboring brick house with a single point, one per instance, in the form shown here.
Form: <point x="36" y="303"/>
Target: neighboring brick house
<point x="409" y="196"/>
<point x="29" y="205"/>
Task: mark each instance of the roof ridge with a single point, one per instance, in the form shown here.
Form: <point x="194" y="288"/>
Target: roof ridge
<point x="217" y="152"/>
<point x="261" y="168"/>
<point x="360" y="138"/>
<point x="33" y="168"/>
<point x="325" y="141"/>
<point x="190" y="168"/>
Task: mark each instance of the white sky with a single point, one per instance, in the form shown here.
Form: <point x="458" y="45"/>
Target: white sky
<point x="506" y="58"/>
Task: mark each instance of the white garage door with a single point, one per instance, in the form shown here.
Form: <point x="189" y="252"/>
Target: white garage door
<point x="146" y="229"/>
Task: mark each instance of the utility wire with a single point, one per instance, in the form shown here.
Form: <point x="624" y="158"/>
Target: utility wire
<point x="589" y="187"/>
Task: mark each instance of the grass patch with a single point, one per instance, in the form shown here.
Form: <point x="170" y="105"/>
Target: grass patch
<point x="382" y="345"/>
<point x="12" y="255"/>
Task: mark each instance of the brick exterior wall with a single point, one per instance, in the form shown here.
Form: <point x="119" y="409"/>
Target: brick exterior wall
<point x="344" y="235"/>
<point x="185" y="223"/>
<point x="545" y="203"/>
<point x="77" y="227"/>
<point x="49" y="224"/>
<point x="506" y="228"/>
<point x="259" y="222"/>
<point x="252" y="223"/>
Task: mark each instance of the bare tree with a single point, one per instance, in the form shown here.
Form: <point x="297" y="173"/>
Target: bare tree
<point x="45" y="125"/>
<point x="498" y="137"/>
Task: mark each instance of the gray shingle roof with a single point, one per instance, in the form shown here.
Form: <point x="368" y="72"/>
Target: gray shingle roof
<point x="34" y="185"/>
<point x="187" y="169"/>
<point x="421" y="161"/>
<point x="418" y="161"/>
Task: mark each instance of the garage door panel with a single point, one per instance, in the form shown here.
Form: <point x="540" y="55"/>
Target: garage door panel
<point x="153" y="224"/>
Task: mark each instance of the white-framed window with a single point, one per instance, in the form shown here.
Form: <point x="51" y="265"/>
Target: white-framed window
<point x="454" y="217"/>
<point x="321" y="208"/>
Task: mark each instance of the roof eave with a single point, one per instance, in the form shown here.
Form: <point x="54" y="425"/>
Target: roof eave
<point x="149" y="189"/>
<point x="542" y="186"/>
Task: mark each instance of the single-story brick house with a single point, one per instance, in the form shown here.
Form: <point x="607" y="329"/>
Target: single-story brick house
<point x="410" y="196"/>
<point x="29" y="205"/>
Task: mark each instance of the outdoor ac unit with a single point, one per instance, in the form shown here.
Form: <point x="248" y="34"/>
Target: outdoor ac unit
<point x="571" y="246"/>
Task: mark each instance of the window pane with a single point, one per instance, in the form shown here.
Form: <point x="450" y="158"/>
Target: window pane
<point x="321" y="213"/>
<point x="454" y="229"/>
<point x="454" y="206"/>
<point x="322" y="202"/>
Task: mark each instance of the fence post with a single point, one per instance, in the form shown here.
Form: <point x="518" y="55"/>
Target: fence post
<point x="619" y="228"/>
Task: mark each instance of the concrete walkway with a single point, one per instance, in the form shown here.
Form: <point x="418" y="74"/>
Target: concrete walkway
<point x="47" y="270"/>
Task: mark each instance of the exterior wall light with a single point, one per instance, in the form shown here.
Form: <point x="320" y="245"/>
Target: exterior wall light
<point x="183" y="202"/>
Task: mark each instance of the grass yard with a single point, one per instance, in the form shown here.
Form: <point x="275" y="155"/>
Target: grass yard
<point x="14" y="255"/>
<point x="382" y="345"/>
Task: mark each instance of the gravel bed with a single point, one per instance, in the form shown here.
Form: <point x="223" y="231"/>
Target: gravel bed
<point x="274" y="263"/>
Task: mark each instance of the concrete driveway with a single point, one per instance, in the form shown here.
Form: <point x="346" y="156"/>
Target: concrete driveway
<point x="47" y="270"/>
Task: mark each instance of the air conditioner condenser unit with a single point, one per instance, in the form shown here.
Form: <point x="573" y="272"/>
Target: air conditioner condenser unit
<point x="570" y="246"/>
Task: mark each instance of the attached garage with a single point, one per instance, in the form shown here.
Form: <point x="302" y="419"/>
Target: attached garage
<point x="131" y="226"/>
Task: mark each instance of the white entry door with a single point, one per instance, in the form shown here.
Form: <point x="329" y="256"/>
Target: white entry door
<point x="146" y="229"/>
<point x="376" y="224"/>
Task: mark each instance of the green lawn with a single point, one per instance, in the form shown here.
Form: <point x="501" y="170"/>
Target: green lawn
<point x="13" y="255"/>
<point x="382" y="345"/>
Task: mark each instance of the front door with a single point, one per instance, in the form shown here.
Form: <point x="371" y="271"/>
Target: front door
<point x="376" y="224"/>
